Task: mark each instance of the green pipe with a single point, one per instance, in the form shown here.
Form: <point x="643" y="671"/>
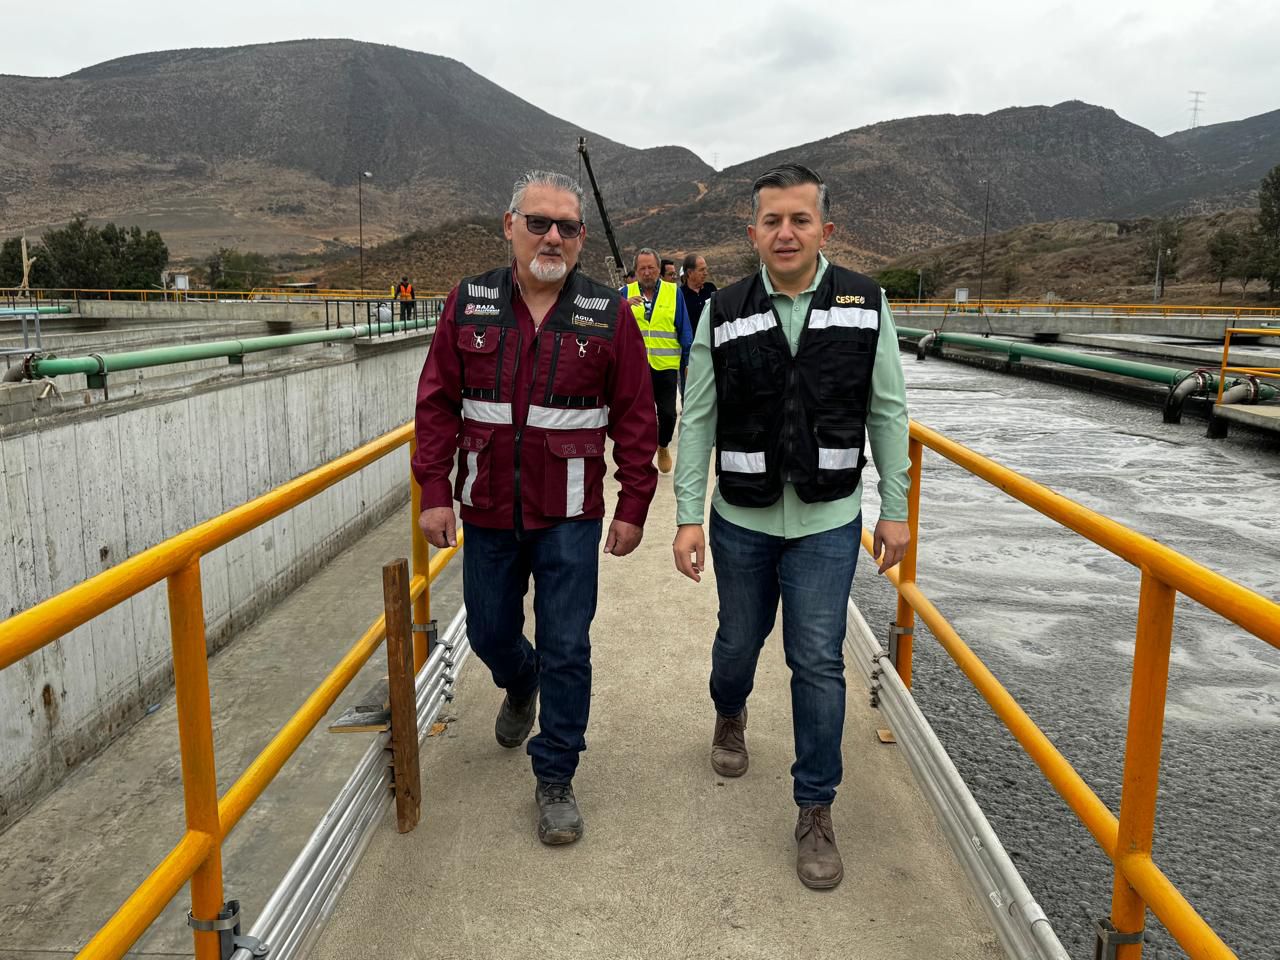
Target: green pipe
<point x="1128" y="368"/>
<point x="19" y="311"/>
<point x="101" y="364"/>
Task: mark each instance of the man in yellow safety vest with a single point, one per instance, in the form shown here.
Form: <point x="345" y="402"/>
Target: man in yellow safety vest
<point x="660" y="313"/>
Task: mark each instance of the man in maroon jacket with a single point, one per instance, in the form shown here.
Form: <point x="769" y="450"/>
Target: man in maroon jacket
<point x="530" y="366"/>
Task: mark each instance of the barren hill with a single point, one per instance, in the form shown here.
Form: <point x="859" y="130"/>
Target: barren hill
<point x="261" y="146"/>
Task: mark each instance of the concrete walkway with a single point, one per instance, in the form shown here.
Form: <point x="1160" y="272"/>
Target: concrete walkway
<point x="70" y="862"/>
<point x="676" y="862"/>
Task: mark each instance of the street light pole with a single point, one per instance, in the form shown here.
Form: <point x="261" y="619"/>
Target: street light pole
<point x="982" y="269"/>
<point x="360" y="205"/>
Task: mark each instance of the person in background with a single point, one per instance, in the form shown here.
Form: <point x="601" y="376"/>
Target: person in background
<point x="695" y="288"/>
<point x="404" y="291"/>
<point x="668" y="273"/>
<point x="660" y="315"/>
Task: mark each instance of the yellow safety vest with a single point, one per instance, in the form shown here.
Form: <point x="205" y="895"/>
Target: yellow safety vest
<point x="659" y="331"/>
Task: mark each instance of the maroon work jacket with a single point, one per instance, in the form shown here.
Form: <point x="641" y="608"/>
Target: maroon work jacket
<point x="526" y="411"/>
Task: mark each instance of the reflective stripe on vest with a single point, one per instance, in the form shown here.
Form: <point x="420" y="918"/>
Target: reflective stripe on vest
<point x="659" y="331"/>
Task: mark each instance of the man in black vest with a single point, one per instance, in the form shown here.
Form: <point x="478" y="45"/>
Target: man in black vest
<point x="792" y="368"/>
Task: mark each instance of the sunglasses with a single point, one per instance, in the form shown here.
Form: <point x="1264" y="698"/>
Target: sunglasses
<point x="539" y="225"/>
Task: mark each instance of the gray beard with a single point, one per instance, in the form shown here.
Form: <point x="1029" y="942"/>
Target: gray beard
<point x="548" y="273"/>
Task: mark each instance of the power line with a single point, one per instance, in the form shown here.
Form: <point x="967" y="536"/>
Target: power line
<point x="1196" y="95"/>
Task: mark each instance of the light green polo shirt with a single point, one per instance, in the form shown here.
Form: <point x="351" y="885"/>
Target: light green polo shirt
<point x="790" y="516"/>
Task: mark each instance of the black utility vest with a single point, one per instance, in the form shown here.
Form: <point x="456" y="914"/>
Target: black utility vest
<point x="784" y="419"/>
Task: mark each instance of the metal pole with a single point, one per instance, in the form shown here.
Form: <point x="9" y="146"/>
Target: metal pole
<point x="360" y="206"/>
<point x="1155" y="290"/>
<point x="906" y="618"/>
<point x="195" y="738"/>
<point x="982" y="269"/>
<point x="421" y="557"/>
<point x="1142" y="752"/>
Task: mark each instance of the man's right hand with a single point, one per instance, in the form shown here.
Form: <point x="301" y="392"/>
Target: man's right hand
<point x="690" y="549"/>
<point x="439" y="527"/>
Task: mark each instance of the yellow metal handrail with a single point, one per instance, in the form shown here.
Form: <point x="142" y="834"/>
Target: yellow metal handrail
<point x="148" y="296"/>
<point x="198" y="854"/>
<point x="1071" y="306"/>
<point x="1165" y="573"/>
<point x="1247" y="371"/>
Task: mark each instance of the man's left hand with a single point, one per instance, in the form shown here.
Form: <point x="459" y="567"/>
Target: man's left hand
<point x="623" y="538"/>
<point x="892" y="536"/>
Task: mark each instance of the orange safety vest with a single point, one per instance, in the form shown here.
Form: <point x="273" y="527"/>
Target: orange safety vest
<point x="406" y="291"/>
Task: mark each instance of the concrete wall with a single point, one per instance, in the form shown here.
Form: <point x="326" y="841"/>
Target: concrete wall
<point x="308" y="314"/>
<point x="77" y="495"/>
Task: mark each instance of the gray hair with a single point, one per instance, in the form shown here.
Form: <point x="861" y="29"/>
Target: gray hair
<point x="635" y="261"/>
<point x="547" y="178"/>
<point x="790" y="175"/>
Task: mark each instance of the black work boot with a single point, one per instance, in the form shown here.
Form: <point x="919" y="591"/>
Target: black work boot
<point x="729" y="745"/>
<point x="558" y="818"/>
<point x="515" y="719"/>
<point x="818" y="862"/>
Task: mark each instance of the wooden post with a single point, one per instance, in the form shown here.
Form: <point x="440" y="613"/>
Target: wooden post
<point x="400" y="680"/>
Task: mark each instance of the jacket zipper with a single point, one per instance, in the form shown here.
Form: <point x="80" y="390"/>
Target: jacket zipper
<point x="515" y="379"/>
<point x="551" y="377"/>
<point x="533" y="382"/>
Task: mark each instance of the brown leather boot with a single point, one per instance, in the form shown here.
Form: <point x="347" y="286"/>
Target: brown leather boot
<point x="664" y="460"/>
<point x="818" y="862"/>
<point x="729" y="745"/>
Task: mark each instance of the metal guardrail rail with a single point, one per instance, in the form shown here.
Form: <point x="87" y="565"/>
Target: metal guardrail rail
<point x="12" y="296"/>
<point x="1268" y="372"/>
<point x="1127" y="838"/>
<point x="210" y="818"/>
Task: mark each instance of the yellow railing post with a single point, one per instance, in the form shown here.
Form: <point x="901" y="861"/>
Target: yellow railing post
<point x="1142" y="752"/>
<point x="904" y="623"/>
<point x="195" y="737"/>
<point x="420" y="563"/>
<point x="1226" y="349"/>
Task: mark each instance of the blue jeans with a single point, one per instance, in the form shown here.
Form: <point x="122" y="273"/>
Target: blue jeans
<point x="564" y="562"/>
<point x="812" y="575"/>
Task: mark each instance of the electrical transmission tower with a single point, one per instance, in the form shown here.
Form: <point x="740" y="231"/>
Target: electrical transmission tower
<point x="1196" y="96"/>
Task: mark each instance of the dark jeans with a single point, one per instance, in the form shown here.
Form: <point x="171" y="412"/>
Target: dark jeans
<point x="812" y="575"/>
<point x="495" y="578"/>
<point x="407" y="308"/>
<point x="664" y="395"/>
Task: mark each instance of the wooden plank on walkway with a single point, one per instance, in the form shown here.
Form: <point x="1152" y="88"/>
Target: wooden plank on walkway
<point x="404" y="707"/>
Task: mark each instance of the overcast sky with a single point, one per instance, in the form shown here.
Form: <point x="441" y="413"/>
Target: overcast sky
<point x="735" y="80"/>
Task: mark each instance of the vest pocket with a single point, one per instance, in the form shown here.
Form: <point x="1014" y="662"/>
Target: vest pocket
<point x="839" y="442"/>
<point x="473" y="485"/>
<point x="573" y="473"/>
<point x="580" y="366"/>
<point x="843" y="369"/>
<point x="479" y="349"/>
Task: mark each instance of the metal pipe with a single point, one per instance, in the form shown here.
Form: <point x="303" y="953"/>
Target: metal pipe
<point x="924" y="343"/>
<point x="186" y="353"/>
<point x="1016" y="350"/>
<point x="1196" y="382"/>
<point x="1243" y="391"/>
